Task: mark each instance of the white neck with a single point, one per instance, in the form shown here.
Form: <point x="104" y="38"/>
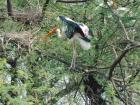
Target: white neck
<point x="85" y="45"/>
<point x="59" y="33"/>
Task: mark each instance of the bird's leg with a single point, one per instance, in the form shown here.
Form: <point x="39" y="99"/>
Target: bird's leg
<point x="73" y="62"/>
<point x="74" y="55"/>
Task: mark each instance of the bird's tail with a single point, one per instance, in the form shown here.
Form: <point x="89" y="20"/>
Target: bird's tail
<point x="85" y="45"/>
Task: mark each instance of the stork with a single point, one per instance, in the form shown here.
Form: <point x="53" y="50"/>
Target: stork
<point x="75" y="31"/>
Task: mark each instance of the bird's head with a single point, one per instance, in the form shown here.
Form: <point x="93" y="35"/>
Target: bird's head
<point x="62" y="18"/>
<point x="58" y="19"/>
<point x="58" y="33"/>
<point x="59" y="23"/>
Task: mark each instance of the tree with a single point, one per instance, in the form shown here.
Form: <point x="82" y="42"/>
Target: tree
<point x="35" y="72"/>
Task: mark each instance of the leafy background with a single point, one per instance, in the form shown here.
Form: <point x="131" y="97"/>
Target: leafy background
<point x="40" y="75"/>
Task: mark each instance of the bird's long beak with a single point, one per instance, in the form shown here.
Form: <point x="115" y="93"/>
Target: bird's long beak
<point x="50" y="33"/>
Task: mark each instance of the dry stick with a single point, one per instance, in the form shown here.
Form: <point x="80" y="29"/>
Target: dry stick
<point x="116" y="55"/>
<point x="79" y="67"/>
<point x="126" y="34"/>
<point x="44" y="7"/>
<point x="120" y="80"/>
<point x="72" y="1"/>
<point x="123" y="80"/>
<point x="121" y="73"/>
<point x="9" y="8"/>
<point x="118" y="60"/>
<point x="119" y="64"/>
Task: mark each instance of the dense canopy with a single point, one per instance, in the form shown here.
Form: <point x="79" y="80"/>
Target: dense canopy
<point x="34" y="65"/>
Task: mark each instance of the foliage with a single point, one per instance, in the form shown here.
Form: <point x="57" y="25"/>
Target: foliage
<point x="40" y="75"/>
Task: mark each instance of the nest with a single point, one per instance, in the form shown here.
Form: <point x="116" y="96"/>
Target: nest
<point x="22" y="39"/>
<point x="27" y="18"/>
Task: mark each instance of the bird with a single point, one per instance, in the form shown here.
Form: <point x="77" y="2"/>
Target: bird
<point x="75" y="32"/>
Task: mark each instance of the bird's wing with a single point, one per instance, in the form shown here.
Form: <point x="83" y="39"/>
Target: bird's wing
<point x="69" y="26"/>
<point x="70" y="30"/>
<point x="72" y="27"/>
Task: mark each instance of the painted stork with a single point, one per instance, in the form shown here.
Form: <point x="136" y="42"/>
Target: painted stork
<point x="75" y="32"/>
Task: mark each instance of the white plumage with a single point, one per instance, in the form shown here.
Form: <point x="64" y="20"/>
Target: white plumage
<point x="84" y="45"/>
<point x="76" y="32"/>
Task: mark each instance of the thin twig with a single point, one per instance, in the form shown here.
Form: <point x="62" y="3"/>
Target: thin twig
<point x="134" y="76"/>
<point x="117" y="92"/>
<point x="44" y="8"/>
<point x="126" y="33"/>
<point x="118" y="60"/>
<point x="78" y="86"/>
<point x="118" y="18"/>
<point x="72" y="1"/>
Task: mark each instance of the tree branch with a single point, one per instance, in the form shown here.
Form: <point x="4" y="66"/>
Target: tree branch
<point x="134" y="76"/>
<point x="118" y="95"/>
<point x="72" y="1"/>
<point x="118" y="60"/>
<point x="44" y="7"/>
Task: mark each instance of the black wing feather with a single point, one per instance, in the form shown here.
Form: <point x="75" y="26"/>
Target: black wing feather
<point x="71" y="28"/>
